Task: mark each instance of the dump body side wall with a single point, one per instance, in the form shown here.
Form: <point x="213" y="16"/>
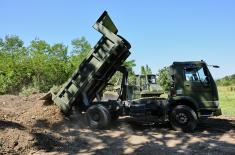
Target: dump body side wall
<point x="95" y="71"/>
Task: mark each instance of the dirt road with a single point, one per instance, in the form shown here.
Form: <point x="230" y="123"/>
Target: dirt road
<point x="27" y="126"/>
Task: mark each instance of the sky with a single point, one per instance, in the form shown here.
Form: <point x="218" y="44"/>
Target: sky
<point x="160" y="31"/>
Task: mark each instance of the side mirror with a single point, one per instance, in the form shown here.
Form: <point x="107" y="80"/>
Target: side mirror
<point x="215" y="66"/>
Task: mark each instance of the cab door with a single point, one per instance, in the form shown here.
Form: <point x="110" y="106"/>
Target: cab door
<point x="197" y="84"/>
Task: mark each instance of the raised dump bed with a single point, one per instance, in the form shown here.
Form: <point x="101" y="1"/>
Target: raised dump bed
<point x="92" y="75"/>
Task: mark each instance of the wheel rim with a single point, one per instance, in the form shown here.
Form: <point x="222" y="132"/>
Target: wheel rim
<point x="182" y="118"/>
<point x="95" y="116"/>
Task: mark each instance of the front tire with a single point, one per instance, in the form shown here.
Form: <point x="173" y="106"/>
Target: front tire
<point x="98" y="117"/>
<point x="183" y="118"/>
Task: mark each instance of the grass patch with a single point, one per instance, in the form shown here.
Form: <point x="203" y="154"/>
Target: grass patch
<point x="26" y="91"/>
<point x="227" y="100"/>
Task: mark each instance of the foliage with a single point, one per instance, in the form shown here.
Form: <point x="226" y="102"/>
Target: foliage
<point x="26" y="91"/>
<point x="145" y="70"/>
<point x="38" y="66"/>
<point x="117" y="77"/>
<point x="131" y="74"/>
<point x="81" y="48"/>
<point x="227" y="100"/>
<point x="226" y="81"/>
<point x="13" y="56"/>
<point x="226" y="88"/>
<point x="162" y="79"/>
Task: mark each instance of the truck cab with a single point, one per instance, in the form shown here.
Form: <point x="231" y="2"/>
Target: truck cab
<point x="146" y="86"/>
<point x="192" y="84"/>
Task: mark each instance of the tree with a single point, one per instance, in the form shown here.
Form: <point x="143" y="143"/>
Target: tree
<point x="56" y="68"/>
<point x="129" y="64"/>
<point x="162" y="79"/>
<point x="226" y="81"/>
<point x="48" y="64"/>
<point x="40" y="65"/>
<point x="80" y="45"/>
<point x="13" y="57"/>
<point x="39" y="51"/>
<point x="81" y="48"/>
<point x="145" y="70"/>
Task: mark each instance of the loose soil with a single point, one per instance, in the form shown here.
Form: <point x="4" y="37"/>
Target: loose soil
<point x="30" y="126"/>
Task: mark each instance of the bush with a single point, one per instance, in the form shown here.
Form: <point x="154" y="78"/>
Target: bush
<point x="26" y="91"/>
<point x="163" y="79"/>
<point x="38" y="66"/>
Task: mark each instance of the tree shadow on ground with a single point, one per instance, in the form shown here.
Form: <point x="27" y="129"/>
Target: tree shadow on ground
<point x="216" y="125"/>
<point x="9" y="124"/>
<point x="209" y="138"/>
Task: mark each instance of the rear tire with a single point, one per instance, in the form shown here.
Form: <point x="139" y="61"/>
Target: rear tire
<point x="183" y="118"/>
<point x="98" y="117"/>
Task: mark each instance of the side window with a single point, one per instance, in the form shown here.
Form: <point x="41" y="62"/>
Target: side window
<point x="191" y="74"/>
<point x="195" y="74"/>
<point x="202" y="74"/>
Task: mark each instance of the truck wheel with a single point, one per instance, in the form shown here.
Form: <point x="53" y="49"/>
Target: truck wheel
<point x="183" y="118"/>
<point x="98" y="117"/>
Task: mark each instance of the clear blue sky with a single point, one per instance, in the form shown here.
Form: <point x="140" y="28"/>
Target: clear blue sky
<point x="160" y="31"/>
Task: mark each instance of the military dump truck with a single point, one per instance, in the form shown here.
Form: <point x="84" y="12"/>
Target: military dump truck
<point x="193" y="93"/>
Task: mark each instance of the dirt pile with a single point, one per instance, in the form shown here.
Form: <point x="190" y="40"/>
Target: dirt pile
<point x="28" y="126"/>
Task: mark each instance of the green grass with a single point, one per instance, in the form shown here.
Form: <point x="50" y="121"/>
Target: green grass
<point x="227" y="100"/>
